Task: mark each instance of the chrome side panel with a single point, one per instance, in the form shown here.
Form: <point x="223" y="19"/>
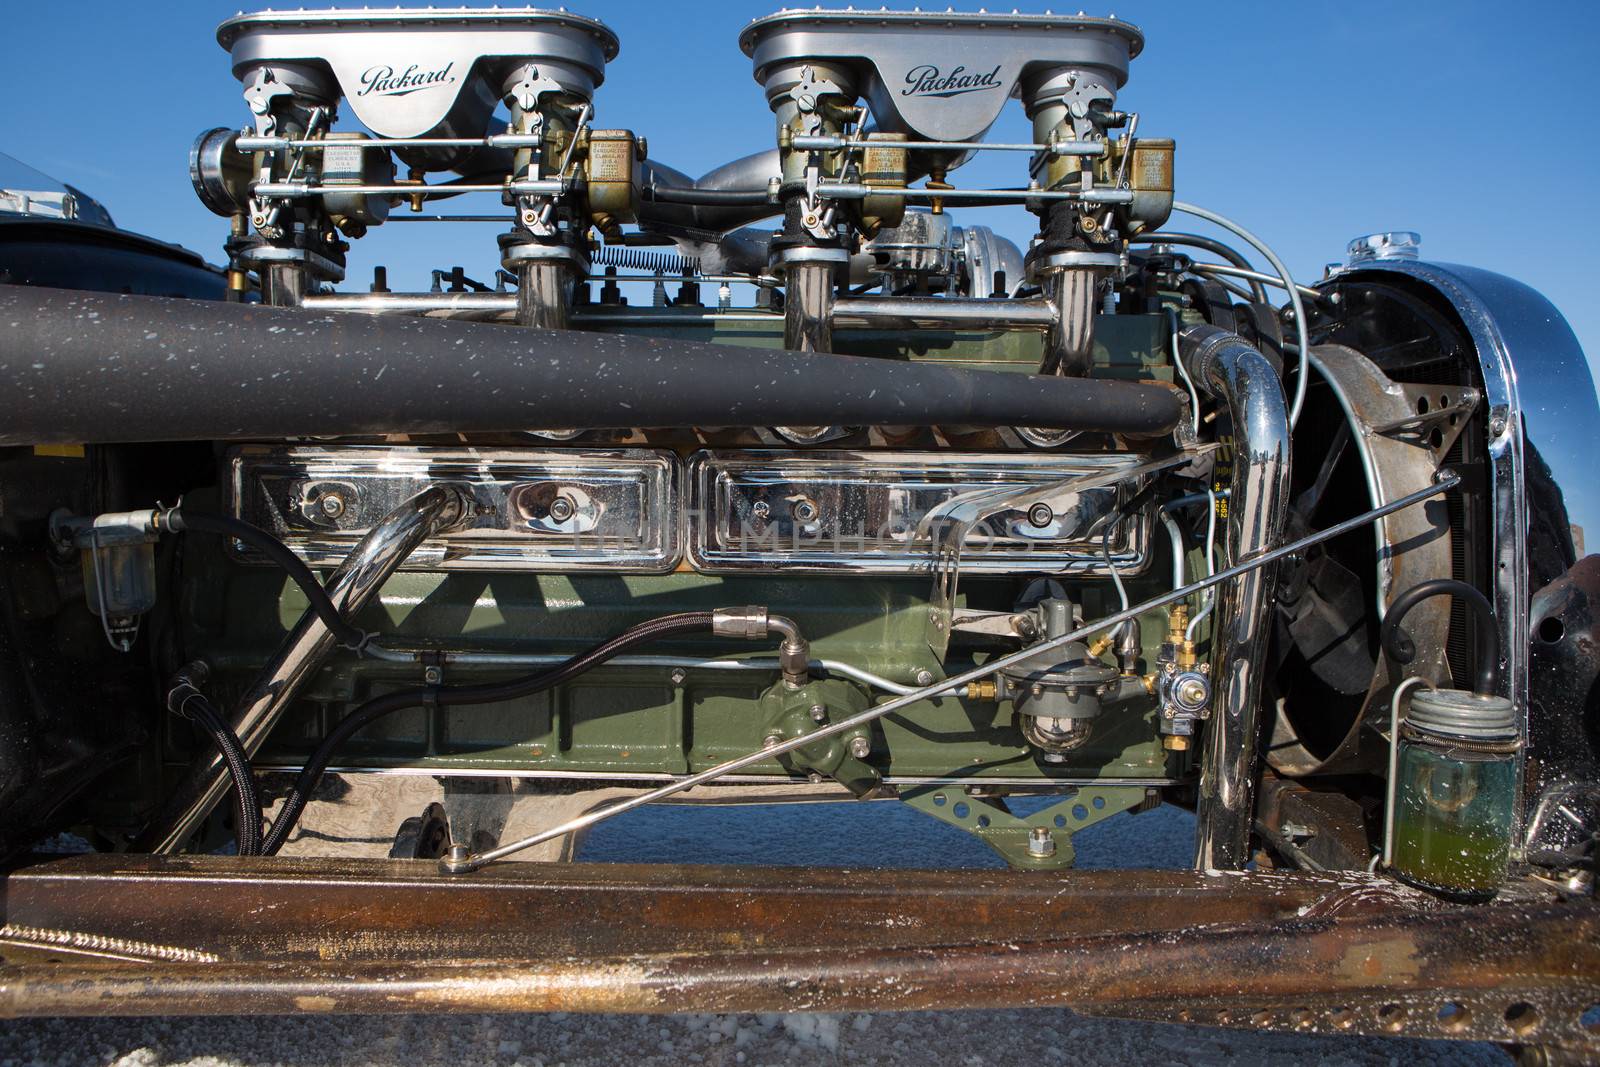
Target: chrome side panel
<point x="1544" y="421"/>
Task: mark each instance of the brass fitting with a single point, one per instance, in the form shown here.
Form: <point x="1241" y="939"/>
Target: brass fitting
<point x="1175" y="742"/>
<point x="1100" y="646"/>
<point x="1177" y="623"/>
<point x="936" y="181"/>
<point x="985" y="689"/>
<point x="1186" y="655"/>
<point x="414" y="177"/>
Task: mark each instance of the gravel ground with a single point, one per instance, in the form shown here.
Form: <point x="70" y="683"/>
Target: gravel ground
<point x="884" y="835"/>
<point x="967" y="1039"/>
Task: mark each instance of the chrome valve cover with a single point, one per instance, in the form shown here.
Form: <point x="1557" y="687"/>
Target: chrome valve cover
<point x="535" y="510"/>
<point x="645" y="510"/>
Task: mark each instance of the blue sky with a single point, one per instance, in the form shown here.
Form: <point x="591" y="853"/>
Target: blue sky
<point x="1470" y="122"/>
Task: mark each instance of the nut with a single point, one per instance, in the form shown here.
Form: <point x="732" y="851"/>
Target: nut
<point x="561" y="509"/>
<point x="1041" y="842"/>
<point x="819" y="713"/>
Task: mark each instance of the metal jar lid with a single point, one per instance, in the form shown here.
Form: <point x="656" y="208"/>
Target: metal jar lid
<point x="1460" y="714"/>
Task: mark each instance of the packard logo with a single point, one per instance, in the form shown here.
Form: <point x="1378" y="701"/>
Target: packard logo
<point x="928" y="80"/>
<point x="383" y="81"/>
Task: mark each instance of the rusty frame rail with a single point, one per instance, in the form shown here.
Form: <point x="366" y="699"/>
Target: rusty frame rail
<point x="1330" y="953"/>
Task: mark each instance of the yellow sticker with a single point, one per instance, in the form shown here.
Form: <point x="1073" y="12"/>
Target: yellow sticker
<point x="59" y="451"/>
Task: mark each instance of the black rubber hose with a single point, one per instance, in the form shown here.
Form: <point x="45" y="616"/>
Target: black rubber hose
<point x="672" y="194"/>
<point x="96" y="367"/>
<point x="180" y="519"/>
<point x="186" y="700"/>
<point x="1399" y="647"/>
<point x="455" y="695"/>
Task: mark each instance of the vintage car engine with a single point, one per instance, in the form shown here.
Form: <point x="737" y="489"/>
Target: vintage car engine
<point x="784" y="482"/>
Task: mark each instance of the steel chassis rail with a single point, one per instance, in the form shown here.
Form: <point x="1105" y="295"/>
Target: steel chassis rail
<point x="1334" y="953"/>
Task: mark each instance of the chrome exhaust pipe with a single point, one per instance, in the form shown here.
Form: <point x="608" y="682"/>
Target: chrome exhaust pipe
<point x="351" y="587"/>
<point x="1236" y="373"/>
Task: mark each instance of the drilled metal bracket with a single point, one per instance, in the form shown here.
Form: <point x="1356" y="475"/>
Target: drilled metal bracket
<point x="1041" y="841"/>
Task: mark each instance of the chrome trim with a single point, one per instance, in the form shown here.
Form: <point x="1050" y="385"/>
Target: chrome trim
<point x="1241" y="376"/>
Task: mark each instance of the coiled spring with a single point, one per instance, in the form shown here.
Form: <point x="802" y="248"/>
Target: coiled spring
<point x="645" y="259"/>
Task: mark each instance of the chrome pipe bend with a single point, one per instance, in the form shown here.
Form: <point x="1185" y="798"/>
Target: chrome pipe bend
<point x="1235" y="372"/>
<point x="352" y="586"/>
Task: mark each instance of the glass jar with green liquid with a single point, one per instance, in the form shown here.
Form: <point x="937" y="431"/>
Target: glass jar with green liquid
<point x="1456" y="793"/>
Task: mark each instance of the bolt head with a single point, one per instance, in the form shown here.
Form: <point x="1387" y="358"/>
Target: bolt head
<point x="924" y="677"/>
<point x="818" y="713"/>
<point x="772" y="741"/>
<point x="678" y="676"/>
<point x="1041" y="515"/>
<point x="860" y="747"/>
<point x="561" y="509"/>
<point x="332" y="505"/>
<point x="432" y="675"/>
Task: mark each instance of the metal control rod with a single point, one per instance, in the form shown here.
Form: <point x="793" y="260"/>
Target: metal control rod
<point x="1254" y="276"/>
<point x="973" y="313"/>
<point x="411" y="303"/>
<point x="855" y="191"/>
<point x="814" y="143"/>
<point x="496" y="140"/>
<point x="461" y="859"/>
<point x="300" y="190"/>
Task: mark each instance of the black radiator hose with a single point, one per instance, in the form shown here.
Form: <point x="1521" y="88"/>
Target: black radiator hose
<point x="79" y="367"/>
<point x="445" y="696"/>
<point x="1399" y="647"/>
